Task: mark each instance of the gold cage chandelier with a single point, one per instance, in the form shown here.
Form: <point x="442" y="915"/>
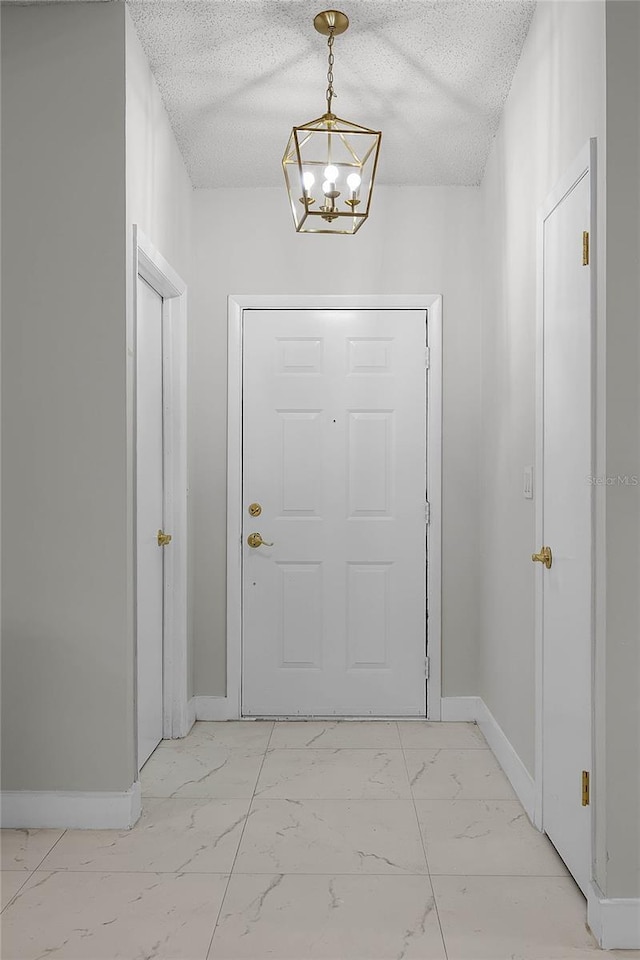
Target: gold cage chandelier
<point x="330" y="164"/>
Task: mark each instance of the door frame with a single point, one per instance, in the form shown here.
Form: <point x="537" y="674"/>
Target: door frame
<point x="237" y="304"/>
<point x="154" y="269"/>
<point x="584" y="163"/>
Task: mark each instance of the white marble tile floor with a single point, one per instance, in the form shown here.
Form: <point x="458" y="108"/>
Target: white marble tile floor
<point x="302" y="841"/>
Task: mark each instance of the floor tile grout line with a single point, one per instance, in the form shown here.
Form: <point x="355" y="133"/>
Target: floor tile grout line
<point x="452" y="876"/>
<point x="235" y="799"/>
<point x="354" y="799"/>
<point x="40" y="862"/>
<point x="296" y="873"/>
<point x="244" y="827"/>
<point x="426" y="859"/>
<point x="200" y="799"/>
<point x="53" y="846"/>
<point x="449" y="749"/>
<point x="386" y="749"/>
<point x="20" y="888"/>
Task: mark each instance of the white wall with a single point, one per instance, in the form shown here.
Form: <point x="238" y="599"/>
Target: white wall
<point x="67" y="651"/>
<point x="418" y="240"/>
<point x="158" y="185"/>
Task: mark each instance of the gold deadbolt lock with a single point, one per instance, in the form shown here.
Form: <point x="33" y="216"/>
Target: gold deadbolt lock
<point x="163" y="538"/>
<point x="255" y="509"/>
<point x="543" y="557"/>
<point x="255" y="540"/>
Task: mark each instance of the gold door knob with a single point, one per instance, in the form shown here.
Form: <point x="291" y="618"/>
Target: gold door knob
<point x="543" y="557"/>
<point x="163" y="538"/>
<point x="255" y="540"/>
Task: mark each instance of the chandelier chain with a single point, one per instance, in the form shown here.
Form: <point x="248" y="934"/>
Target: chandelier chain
<point x="331" y="60"/>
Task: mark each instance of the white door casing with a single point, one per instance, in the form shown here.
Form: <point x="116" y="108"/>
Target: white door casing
<point x="152" y="271"/>
<point x="358" y="573"/>
<point x="565" y="592"/>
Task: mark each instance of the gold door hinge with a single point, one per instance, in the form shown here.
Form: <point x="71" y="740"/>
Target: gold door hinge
<point x="585" y="248"/>
<point x="585" y="788"/>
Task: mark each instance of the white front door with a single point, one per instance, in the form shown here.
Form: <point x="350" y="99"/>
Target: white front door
<point x="149" y="509"/>
<point x="567" y="524"/>
<point x="334" y="454"/>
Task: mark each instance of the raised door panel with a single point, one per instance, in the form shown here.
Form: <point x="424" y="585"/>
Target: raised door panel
<point x="368" y="615"/>
<point x="298" y="355"/>
<point x="370" y="355"/>
<point x="300" y="615"/>
<point x="301" y="463"/>
<point x="370" y="463"/>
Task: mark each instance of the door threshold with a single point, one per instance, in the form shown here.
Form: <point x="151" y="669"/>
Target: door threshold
<point x="321" y="717"/>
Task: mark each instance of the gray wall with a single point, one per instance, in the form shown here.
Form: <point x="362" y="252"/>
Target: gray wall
<point x="67" y="653"/>
<point x="619" y="867"/>
<point x="418" y="240"/>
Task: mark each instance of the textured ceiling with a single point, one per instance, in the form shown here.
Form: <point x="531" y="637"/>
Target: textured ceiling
<point x="235" y="75"/>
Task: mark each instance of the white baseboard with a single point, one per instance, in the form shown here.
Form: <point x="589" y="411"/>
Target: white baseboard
<point x="191" y="714"/>
<point x="474" y="709"/>
<point x="73" y="810"/>
<point x="615" y="923"/>
<point x="464" y="709"/>
<point x="515" y="770"/>
<point x="216" y="708"/>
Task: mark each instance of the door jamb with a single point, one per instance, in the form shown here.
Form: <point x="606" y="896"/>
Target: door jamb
<point x="152" y="267"/>
<point x="231" y="708"/>
<point x="584" y="163"/>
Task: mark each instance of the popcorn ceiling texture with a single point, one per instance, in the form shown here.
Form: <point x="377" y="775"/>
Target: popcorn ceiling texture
<point x="236" y="75"/>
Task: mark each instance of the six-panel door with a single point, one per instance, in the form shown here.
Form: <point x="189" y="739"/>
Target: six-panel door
<point x="334" y="451"/>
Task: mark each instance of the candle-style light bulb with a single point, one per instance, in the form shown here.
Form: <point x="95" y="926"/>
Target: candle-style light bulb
<point x="308" y="181"/>
<point x="353" y="181"/>
<point x="331" y="192"/>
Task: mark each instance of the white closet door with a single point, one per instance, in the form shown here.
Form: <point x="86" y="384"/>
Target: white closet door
<point x="149" y="500"/>
<point x="567" y="521"/>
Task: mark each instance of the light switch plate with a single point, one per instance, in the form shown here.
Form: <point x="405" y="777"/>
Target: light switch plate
<point x="528" y="483"/>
